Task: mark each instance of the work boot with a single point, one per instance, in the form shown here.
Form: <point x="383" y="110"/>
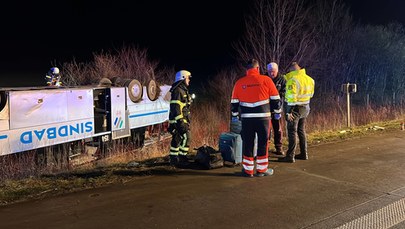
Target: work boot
<point x="246" y="174"/>
<point x="301" y="156"/>
<point x="279" y="151"/>
<point x="183" y="162"/>
<point x="269" y="172"/>
<point x="174" y="160"/>
<point x="288" y="159"/>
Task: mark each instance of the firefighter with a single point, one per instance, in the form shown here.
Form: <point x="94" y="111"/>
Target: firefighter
<point x="179" y="119"/>
<point x="299" y="91"/>
<point x="257" y="97"/>
<point x="53" y="77"/>
<point x="279" y="81"/>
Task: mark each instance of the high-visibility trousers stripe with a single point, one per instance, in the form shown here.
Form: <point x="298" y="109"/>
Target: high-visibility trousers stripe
<point x="262" y="163"/>
<point x="248" y="164"/>
<point x="174" y="153"/>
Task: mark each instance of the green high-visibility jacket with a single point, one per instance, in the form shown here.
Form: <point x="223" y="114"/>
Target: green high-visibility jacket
<point x="299" y="88"/>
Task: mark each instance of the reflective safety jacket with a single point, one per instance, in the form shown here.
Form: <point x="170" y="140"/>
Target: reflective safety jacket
<point x="299" y="88"/>
<point x="179" y="103"/>
<point x="52" y="79"/>
<point x="255" y="96"/>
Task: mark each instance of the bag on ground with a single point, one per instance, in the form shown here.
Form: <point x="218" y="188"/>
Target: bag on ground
<point x="230" y="146"/>
<point x="208" y="158"/>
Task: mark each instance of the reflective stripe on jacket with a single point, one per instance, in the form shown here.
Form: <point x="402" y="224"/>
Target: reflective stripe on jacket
<point x="299" y="88"/>
<point x="179" y="103"/>
<point x="255" y="95"/>
<point x="280" y="83"/>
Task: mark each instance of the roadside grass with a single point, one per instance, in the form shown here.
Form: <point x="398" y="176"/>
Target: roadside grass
<point x="34" y="188"/>
<point x="12" y="191"/>
<point x="318" y="137"/>
<point x="150" y="161"/>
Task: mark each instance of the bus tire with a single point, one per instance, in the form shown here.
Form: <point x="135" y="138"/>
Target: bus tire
<point x="152" y="90"/>
<point x="3" y="100"/>
<point x="135" y="91"/>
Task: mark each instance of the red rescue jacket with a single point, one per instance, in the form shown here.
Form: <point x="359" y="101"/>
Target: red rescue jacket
<point x="255" y="96"/>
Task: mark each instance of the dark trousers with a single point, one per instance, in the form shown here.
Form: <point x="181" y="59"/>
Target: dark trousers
<point x="297" y="126"/>
<point x="277" y="132"/>
<point x="249" y="129"/>
<point x="180" y="143"/>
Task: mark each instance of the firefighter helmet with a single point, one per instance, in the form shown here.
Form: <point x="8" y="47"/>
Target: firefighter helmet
<point x="181" y="75"/>
<point x="54" y="71"/>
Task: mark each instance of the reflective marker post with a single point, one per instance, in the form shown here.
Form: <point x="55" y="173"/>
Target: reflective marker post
<point x="349" y="88"/>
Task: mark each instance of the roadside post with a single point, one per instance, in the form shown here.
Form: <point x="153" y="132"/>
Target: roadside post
<point x="348" y="88"/>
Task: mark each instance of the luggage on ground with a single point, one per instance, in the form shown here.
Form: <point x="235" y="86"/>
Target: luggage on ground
<point x="230" y="146"/>
<point x="208" y="158"/>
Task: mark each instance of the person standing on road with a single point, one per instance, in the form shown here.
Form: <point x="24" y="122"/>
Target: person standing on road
<point x="299" y="91"/>
<point x="257" y="97"/>
<point x="179" y="119"/>
<point x="280" y="82"/>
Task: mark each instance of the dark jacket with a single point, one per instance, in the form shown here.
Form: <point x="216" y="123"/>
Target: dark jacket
<point x="280" y="83"/>
<point x="179" y="103"/>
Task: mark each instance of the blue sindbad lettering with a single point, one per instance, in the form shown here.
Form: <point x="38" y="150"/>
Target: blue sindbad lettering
<point x="26" y="137"/>
<point x="75" y="129"/>
<point x="51" y="133"/>
<point x="54" y="132"/>
<point x="63" y="131"/>
<point x="89" y="126"/>
<point x="39" y="134"/>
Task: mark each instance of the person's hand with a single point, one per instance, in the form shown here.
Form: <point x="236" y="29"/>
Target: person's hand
<point x="277" y="116"/>
<point x="289" y="117"/>
<point x="234" y="119"/>
<point x="171" y="129"/>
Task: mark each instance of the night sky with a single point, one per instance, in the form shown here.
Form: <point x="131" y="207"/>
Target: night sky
<point x="194" y="35"/>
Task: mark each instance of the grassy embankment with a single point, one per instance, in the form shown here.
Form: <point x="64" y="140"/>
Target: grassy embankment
<point x="117" y="169"/>
<point x="21" y="179"/>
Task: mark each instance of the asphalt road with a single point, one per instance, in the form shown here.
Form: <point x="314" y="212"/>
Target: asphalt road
<point x="340" y="183"/>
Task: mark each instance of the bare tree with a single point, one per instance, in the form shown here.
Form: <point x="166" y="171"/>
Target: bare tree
<point x="75" y="74"/>
<point x="165" y="75"/>
<point x="128" y="62"/>
<point x="379" y="61"/>
<point x="277" y="30"/>
<point x="135" y="64"/>
<point x="334" y="27"/>
<point x="220" y="89"/>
